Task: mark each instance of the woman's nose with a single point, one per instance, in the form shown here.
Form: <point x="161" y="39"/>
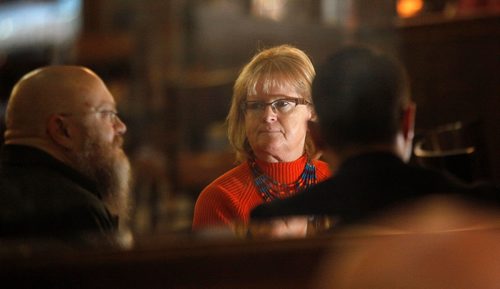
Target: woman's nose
<point x="270" y="113"/>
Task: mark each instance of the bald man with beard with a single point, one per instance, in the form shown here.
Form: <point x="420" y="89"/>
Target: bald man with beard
<point x="63" y="172"/>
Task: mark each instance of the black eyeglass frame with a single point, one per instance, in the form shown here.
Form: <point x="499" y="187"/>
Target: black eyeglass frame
<point x="296" y="100"/>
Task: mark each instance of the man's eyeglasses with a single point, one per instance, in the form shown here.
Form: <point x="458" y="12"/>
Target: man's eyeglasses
<point x="282" y="105"/>
<point x="107" y="114"/>
<point x="110" y="115"/>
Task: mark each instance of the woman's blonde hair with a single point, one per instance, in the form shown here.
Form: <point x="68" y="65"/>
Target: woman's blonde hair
<point x="280" y="66"/>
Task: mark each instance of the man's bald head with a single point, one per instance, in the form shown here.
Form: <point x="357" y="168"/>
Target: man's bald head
<point x="68" y="113"/>
<point x="46" y="91"/>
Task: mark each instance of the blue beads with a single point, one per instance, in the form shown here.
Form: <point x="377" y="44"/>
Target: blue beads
<point x="271" y="189"/>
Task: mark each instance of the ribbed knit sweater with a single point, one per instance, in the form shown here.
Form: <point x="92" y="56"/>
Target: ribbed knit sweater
<point x="232" y="196"/>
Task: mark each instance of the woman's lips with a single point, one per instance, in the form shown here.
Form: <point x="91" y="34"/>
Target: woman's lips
<point x="269" y="131"/>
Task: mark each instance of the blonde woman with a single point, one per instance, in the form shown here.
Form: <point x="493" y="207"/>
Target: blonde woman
<point x="267" y="126"/>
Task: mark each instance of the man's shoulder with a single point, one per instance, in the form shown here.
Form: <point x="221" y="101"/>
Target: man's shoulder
<point x="45" y="186"/>
<point x="37" y="200"/>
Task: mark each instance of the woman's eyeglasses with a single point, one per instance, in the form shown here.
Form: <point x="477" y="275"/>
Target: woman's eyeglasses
<point x="282" y="105"/>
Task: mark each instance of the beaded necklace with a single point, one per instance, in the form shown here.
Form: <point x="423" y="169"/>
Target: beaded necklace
<point x="271" y="189"/>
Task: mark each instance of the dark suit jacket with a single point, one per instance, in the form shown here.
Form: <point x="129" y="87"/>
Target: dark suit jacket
<point x="42" y="197"/>
<point x="368" y="184"/>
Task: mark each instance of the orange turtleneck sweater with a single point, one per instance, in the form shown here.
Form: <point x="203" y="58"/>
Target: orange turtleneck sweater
<point x="232" y="196"/>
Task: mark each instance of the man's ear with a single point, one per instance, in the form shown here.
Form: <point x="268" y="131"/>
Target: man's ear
<point x="408" y="121"/>
<point x="58" y="131"/>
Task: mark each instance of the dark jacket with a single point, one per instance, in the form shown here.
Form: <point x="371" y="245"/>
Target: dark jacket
<point x="42" y="197"/>
<point x="368" y="184"/>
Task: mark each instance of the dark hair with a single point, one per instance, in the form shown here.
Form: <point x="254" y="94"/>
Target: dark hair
<point x="359" y="97"/>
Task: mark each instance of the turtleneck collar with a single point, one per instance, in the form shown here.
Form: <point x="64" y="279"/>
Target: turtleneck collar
<point x="284" y="172"/>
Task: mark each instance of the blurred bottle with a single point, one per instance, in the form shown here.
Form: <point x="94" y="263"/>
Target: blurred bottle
<point x="456" y="148"/>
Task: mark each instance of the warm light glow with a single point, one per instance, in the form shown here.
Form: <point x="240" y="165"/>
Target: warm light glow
<point x="272" y="9"/>
<point x="408" y="8"/>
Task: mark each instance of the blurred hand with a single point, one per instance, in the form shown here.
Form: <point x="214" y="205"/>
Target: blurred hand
<point x="291" y="227"/>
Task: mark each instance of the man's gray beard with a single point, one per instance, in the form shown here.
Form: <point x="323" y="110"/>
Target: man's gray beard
<point x="109" y="168"/>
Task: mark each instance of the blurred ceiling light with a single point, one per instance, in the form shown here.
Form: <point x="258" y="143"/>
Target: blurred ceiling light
<point x="34" y="23"/>
<point x="5" y="28"/>
<point x="272" y="9"/>
<point x="409" y="8"/>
